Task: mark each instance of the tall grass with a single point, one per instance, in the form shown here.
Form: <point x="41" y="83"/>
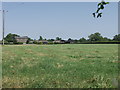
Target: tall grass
<point x="60" y="66"/>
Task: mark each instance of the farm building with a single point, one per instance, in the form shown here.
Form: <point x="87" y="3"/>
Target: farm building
<point x="22" y="39"/>
<point x="59" y="41"/>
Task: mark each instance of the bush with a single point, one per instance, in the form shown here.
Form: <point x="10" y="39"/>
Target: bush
<point x="35" y="42"/>
<point x="50" y="43"/>
<point x="101" y="42"/>
<point x="39" y="42"/>
<point x="30" y="43"/>
<point x="18" y="43"/>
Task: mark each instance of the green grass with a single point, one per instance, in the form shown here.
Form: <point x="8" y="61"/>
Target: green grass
<point x="60" y="66"/>
<point x="0" y="66"/>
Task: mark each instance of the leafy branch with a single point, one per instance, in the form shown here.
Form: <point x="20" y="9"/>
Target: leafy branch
<point x="100" y="6"/>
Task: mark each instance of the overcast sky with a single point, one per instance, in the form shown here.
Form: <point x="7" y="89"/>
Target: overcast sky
<point x="62" y="19"/>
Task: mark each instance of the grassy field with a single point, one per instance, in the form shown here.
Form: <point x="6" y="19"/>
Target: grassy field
<point x="60" y="66"/>
<point x="0" y="66"/>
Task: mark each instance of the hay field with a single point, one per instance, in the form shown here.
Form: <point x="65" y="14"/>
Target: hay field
<point x="60" y="66"/>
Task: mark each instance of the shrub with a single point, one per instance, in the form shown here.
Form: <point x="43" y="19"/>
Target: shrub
<point x="18" y="43"/>
<point x="50" y="43"/>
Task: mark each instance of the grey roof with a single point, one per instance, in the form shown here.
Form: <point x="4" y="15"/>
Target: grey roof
<point x="23" y="37"/>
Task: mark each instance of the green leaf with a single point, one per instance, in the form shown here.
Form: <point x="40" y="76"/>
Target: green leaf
<point x="103" y="3"/>
<point x="107" y="2"/>
<point x="102" y="7"/>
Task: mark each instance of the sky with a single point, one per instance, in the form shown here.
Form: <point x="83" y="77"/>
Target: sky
<point x="58" y="0"/>
<point x="59" y="19"/>
<point x="0" y="21"/>
<point x="119" y="17"/>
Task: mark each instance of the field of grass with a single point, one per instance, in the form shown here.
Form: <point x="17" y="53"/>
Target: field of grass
<point x="60" y="66"/>
<point x="0" y="66"/>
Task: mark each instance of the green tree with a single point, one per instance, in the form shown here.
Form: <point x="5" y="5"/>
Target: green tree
<point x="50" y="39"/>
<point x="28" y="41"/>
<point x="11" y="37"/>
<point x="116" y="37"/>
<point x="69" y="39"/>
<point x="82" y="39"/>
<point x="58" y="38"/>
<point x="40" y="38"/>
<point x="95" y="37"/>
<point x="106" y="39"/>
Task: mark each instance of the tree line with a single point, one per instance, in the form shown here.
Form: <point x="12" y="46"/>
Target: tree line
<point x="93" y="38"/>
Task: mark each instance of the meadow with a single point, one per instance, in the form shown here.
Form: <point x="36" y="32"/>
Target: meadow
<point x="60" y="66"/>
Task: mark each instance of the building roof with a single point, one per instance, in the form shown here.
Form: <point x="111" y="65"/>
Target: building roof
<point x="23" y="37"/>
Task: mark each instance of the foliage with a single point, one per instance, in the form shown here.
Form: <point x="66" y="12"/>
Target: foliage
<point x="69" y="39"/>
<point x="106" y="39"/>
<point x="100" y="42"/>
<point x="58" y="38"/>
<point x="116" y="37"/>
<point x="28" y="41"/>
<point x="40" y="38"/>
<point x="0" y="42"/>
<point x="95" y="37"/>
<point x="51" y="40"/>
<point x="18" y="43"/>
<point x="100" y="6"/>
<point x="40" y="43"/>
<point x="35" y="42"/>
<point x="6" y="42"/>
<point x="76" y="41"/>
<point x="11" y="37"/>
<point x="45" y="39"/>
<point x="82" y="39"/>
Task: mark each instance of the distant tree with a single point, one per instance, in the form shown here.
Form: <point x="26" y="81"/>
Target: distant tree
<point x="69" y="39"/>
<point x="35" y="42"/>
<point x="29" y="39"/>
<point x="58" y="38"/>
<point x="11" y="37"/>
<point x="82" y="39"/>
<point x="50" y="39"/>
<point x="95" y="37"/>
<point x="40" y="38"/>
<point x="106" y="39"/>
<point x="75" y="41"/>
<point x="116" y="37"/>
